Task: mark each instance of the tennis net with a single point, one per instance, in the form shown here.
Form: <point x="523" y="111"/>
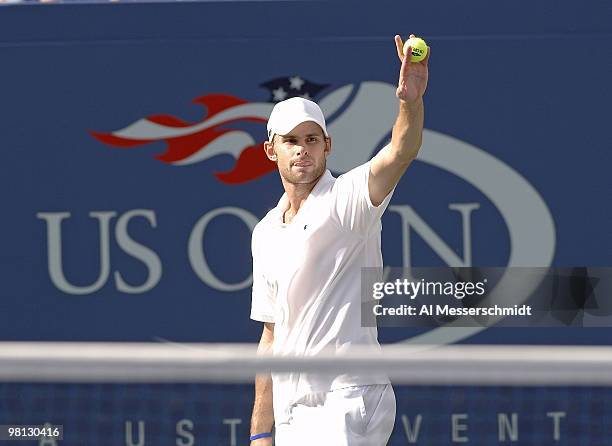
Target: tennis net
<point x="202" y="394"/>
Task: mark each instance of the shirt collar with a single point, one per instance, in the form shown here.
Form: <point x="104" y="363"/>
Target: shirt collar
<point x="316" y="190"/>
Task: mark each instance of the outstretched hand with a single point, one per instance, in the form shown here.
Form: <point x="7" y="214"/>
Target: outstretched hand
<point x="413" y="75"/>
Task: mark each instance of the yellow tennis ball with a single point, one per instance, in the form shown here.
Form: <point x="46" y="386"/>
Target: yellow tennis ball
<point x="419" y="49"/>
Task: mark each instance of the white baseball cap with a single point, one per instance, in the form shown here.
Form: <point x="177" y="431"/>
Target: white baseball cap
<point x="288" y="114"/>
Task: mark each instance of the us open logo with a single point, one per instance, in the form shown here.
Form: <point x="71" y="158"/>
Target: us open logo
<point x="359" y="118"/>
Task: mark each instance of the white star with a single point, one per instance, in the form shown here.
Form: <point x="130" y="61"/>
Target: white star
<point x="296" y="82"/>
<point x="279" y="94"/>
<point x="306" y="96"/>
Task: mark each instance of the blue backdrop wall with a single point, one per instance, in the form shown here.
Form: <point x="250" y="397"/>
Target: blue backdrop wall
<point x="132" y="172"/>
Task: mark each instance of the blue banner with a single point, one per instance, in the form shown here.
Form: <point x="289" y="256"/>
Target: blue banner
<point x="133" y="172"/>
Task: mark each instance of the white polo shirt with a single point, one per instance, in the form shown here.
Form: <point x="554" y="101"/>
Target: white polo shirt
<point x="307" y="279"/>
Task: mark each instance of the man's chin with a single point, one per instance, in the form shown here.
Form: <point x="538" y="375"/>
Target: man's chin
<point x="299" y="179"/>
<point x="303" y="177"/>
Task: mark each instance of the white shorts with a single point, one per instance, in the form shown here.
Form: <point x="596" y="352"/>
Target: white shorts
<point x="351" y="416"/>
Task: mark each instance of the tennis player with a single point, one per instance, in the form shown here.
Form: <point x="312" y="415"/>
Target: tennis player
<point x="307" y="257"/>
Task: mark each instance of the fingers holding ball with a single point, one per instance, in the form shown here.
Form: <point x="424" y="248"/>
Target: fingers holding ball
<point x="418" y="48"/>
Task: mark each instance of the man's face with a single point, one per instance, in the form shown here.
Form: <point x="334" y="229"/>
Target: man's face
<point x="300" y="154"/>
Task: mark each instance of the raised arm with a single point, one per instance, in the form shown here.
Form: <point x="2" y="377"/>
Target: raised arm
<point x="262" y="419"/>
<point x="391" y="162"/>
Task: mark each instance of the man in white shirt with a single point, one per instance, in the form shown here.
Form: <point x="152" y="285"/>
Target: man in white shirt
<point x="307" y="258"/>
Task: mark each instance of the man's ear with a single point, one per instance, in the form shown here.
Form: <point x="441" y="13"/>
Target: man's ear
<point x="269" y="149"/>
<point x="328" y="146"/>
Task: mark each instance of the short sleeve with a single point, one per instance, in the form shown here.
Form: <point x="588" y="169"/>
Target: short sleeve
<point x="262" y="304"/>
<point x="351" y="203"/>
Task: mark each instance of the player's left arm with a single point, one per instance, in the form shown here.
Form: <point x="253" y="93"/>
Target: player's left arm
<point x="388" y="165"/>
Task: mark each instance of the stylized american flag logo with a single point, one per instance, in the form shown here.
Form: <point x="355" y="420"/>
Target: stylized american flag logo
<point x="217" y="133"/>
